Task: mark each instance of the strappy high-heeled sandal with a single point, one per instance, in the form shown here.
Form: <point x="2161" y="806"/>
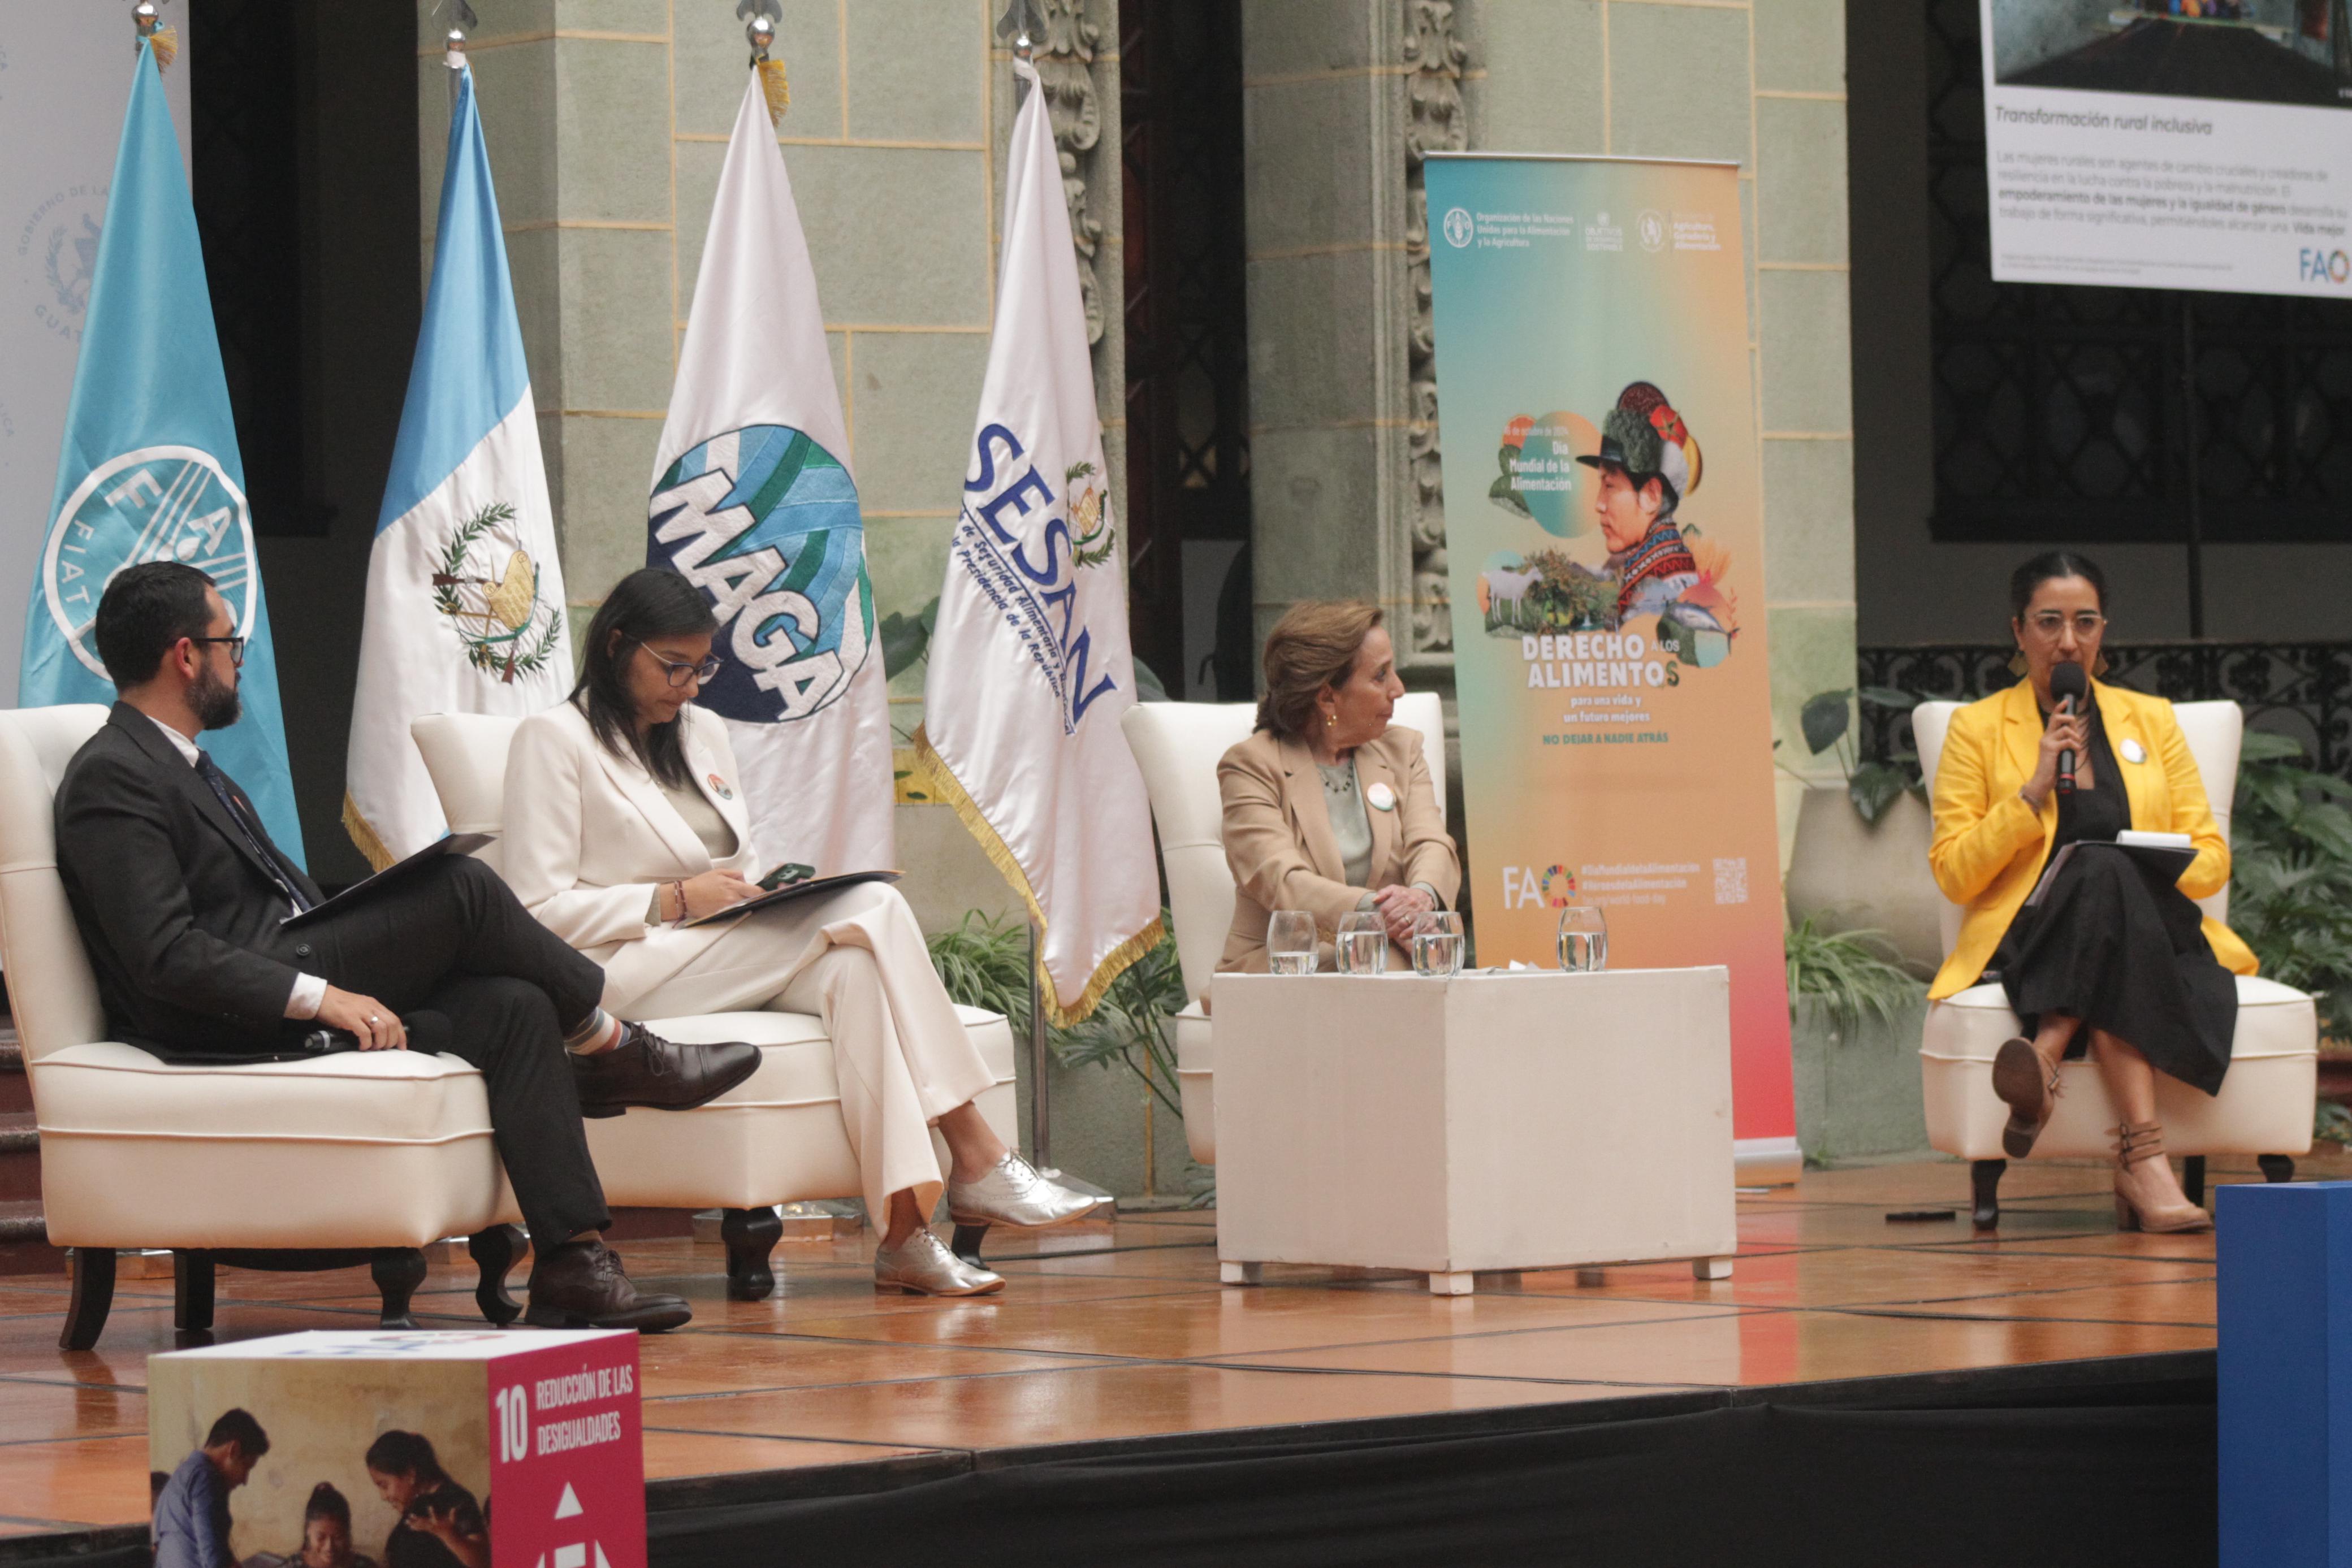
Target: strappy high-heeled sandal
<point x="2029" y="1087"/>
<point x="2135" y="1143"/>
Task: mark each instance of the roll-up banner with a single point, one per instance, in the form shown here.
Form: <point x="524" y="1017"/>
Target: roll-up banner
<point x="2170" y="143"/>
<point x="1605" y="545"/>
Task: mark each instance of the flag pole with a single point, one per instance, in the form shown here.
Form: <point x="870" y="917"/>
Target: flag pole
<point x="1041" y="1096"/>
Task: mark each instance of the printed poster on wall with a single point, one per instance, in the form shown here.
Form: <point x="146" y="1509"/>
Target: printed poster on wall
<point x="1605" y="543"/>
<point x="2170" y="143"/>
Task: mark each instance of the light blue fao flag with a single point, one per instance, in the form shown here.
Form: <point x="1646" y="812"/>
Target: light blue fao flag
<point x="149" y="469"/>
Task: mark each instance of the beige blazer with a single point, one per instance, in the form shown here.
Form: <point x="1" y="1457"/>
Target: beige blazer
<point x="1278" y="841"/>
<point x="589" y="836"/>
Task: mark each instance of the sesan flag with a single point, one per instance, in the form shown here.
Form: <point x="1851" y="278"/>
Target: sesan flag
<point x="149" y="469"/>
<point x="1030" y="668"/>
<point x="465" y="595"/>
<point x="753" y="501"/>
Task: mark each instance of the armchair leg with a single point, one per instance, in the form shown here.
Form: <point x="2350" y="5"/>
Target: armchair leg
<point x="750" y="1235"/>
<point x="397" y="1272"/>
<point x="93" y="1296"/>
<point x="1984" y="1180"/>
<point x="2192" y="1179"/>
<point x="494" y="1251"/>
<point x="191" y="1291"/>
<point x="2276" y="1167"/>
<point x="967" y="1241"/>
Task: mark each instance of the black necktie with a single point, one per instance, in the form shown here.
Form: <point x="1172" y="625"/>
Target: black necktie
<point x="251" y="829"/>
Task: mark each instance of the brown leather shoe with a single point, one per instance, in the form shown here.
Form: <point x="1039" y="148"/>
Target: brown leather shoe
<point x="581" y="1285"/>
<point x="2027" y="1086"/>
<point x="644" y="1070"/>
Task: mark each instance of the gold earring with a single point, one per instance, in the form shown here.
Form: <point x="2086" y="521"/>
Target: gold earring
<point x="1331" y="720"/>
<point x="2017" y="662"/>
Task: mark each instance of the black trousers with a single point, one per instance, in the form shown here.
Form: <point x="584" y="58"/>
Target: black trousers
<point x="471" y="973"/>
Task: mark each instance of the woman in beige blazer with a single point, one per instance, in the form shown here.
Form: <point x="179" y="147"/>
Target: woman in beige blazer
<point x="625" y="817"/>
<point x="1328" y="808"/>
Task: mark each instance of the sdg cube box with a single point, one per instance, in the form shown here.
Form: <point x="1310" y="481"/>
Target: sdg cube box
<point x="417" y="1450"/>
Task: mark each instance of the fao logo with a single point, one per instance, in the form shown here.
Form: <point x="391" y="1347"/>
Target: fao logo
<point x="1460" y="228"/>
<point x="1651" y="228"/>
<point x="2325" y="266"/>
<point x="159" y="503"/>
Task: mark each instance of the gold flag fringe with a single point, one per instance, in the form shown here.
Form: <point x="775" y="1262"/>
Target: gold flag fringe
<point x="775" y="89"/>
<point x="364" y="836"/>
<point x="165" y="42"/>
<point x="945" y="787"/>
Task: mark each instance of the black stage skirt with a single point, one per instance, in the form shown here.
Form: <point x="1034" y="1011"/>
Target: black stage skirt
<point x="2116" y="946"/>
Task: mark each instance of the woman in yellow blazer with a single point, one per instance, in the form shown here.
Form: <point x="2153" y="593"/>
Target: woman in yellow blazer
<point x="2113" y="958"/>
<point x="1326" y="808"/>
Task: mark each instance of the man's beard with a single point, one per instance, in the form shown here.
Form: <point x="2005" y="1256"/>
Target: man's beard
<point x="215" y="702"/>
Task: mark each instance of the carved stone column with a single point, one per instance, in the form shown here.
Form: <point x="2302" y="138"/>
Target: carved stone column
<point x="1066" y="61"/>
<point x="1435" y="122"/>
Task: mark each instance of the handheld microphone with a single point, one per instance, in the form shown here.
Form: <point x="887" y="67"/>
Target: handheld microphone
<point x="2068" y="686"/>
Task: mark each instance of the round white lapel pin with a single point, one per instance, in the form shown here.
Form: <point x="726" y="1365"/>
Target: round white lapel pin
<point x="2133" y="751"/>
<point x="1381" y="798"/>
<point x="719" y="785"/>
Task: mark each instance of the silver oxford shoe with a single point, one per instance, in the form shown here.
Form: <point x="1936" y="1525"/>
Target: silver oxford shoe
<point x="922" y="1266"/>
<point x="1014" y="1193"/>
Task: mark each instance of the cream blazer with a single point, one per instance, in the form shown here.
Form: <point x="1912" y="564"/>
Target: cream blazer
<point x="590" y="836"/>
<point x="1280" y="848"/>
<point x="1990" y="846"/>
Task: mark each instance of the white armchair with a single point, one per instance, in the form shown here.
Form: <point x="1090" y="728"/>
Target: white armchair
<point x="2265" y="1105"/>
<point x="325" y="1164"/>
<point x="1177" y="746"/>
<point x="777" y="1137"/>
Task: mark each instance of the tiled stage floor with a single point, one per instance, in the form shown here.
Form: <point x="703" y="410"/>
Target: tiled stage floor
<point x="1128" y="1334"/>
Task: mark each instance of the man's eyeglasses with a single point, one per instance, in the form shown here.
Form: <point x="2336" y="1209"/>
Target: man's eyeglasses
<point x="681" y="673"/>
<point x="237" y="649"/>
<point x="2049" y="624"/>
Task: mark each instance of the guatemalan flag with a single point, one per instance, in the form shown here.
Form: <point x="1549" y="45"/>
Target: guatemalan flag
<point x="753" y="500"/>
<point x="149" y="469"/>
<point x="1030" y="668"/>
<point x="465" y="596"/>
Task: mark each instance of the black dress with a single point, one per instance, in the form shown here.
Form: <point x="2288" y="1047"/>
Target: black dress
<point x="2117" y="947"/>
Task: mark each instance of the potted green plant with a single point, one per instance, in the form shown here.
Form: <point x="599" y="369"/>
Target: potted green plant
<point x="1855" y="1011"/>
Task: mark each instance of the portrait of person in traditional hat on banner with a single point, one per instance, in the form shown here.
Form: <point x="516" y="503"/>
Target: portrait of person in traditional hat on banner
<point x="1647" y="466"/>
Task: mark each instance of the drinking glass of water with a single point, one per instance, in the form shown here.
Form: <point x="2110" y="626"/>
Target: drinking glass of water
<point x="1363" y="945"/>
<point x="1583" y="940"/>
<point x="1290" y="942"/>
<point x="1437" y="945"/>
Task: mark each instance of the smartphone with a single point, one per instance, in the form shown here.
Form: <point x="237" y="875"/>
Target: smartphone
<point x="785" y="875"/>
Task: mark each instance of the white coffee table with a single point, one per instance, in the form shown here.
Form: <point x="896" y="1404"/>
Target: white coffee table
<point x="1491" y="1122"/>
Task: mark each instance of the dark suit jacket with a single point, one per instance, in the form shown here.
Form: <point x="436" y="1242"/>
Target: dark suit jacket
<point x="180" y="917"/>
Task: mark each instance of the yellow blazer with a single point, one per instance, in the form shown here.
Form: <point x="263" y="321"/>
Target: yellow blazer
<point x="1990" y="846"/>
<point x="1278" y="841"/>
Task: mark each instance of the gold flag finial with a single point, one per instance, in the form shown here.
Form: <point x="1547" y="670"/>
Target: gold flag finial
<point x="760" y="31"/>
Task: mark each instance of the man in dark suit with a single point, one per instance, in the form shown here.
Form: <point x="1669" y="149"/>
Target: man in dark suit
<point x="180" y="895"/>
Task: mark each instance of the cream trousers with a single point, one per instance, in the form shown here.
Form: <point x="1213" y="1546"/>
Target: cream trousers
<point x="855" y="959"/>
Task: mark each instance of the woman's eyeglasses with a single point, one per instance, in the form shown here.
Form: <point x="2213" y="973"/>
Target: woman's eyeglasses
<point x="680" y="672"/>
<point x="2049" y="624"/>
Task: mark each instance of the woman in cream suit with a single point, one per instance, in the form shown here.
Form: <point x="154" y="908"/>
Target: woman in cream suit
<point x="1326" y="808"/>
<point x="625" y="817"/>
<point x="2115" y="958"/>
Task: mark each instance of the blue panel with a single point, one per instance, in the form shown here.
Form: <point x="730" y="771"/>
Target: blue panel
<point x="2286" y="1299"/>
